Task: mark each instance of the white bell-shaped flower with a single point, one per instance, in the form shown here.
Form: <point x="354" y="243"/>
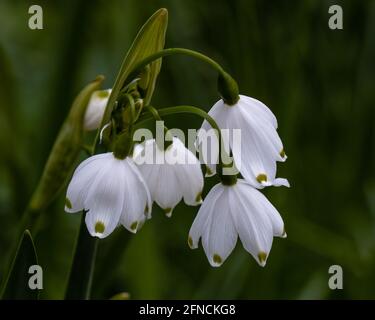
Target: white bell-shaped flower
<point x="95" y="109"/>
<point x="231" y="211"/>
<point x="259" y="147"/>
<point x="170" y="174"/>
<point x="112" y="191"/>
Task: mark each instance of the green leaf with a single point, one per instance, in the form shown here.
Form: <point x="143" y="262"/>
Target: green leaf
<point x="17" y="285"/>
<point x="65" y="151"/>
<point x="81" y="273"/>
<point x="150" y="39"/>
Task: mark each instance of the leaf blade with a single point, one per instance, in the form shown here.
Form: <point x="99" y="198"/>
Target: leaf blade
<point x="16" y="287"/>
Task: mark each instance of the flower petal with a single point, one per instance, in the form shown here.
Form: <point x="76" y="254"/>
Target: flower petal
<point x="82" y="178"/>
<point x="204" y="215"/>
<point x="220" y="236"/>
<point x="137" y="200"/>
<point x="105" y="199"/>
<point x="252" y="223"/>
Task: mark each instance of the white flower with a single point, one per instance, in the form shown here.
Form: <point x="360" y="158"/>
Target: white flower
<point x="95" y="109"/>
<point x="112" y="191"/>
<point x="170" y="175"/>
<point x="260" y="146"/>
<point x="231" y="211"/>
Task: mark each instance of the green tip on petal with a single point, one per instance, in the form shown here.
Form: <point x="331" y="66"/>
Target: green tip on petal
<point x="262" y="256"/>
<point x="134" y="226"/>
<point x="168" y="212"/>
<point x="261" y="178"/>
<point x="68" y="204"/>
<point x="217" y="259"/>
<point x="102" y="94"/>
<point x="99" y="227"/>
<point x="282" y="153"/>
<point x="209" y="172"/>
<point x="198" y="198"/>
<point x="190" y="242"/>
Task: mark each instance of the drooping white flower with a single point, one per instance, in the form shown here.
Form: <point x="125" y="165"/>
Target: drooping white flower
<point x="95" y="109"/>
<point x="170" y="175"/>
<point x="112" y="191"/>
<point x="260" y="145"/>
<point x="231" y="211"/>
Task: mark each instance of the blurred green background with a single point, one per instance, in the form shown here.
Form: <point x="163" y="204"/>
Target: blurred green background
<point x="318" y="82"/>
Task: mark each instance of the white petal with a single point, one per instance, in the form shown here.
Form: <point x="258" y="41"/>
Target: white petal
<point x="137" y="200"/>
<point x="265" y="133"/>
<point x="105" y="200"/>
<point x="82" y="178"/>
<point x="252" y="223"/>
<point x="281" y="182"/>
<point x="256" y="106"/>
<point x="220" y="236"/>
<point x="264" y="205"/>
<point x="189" y="175"/>
<point x="204" y="214"/>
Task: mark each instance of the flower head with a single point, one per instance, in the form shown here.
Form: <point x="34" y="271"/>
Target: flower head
<point x="170" y="174"/>
<point x="260" y="145"/>
<point x="112" y="191"/>
<point x="95" y="109"/>
<point x="235" y="210"/>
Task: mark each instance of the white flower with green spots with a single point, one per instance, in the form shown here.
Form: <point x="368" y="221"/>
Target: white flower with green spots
<point x="260" y="145"/>
<point x="232" y="211"/>
<point x="171" y="175"/>
<point x="112" y="191"/>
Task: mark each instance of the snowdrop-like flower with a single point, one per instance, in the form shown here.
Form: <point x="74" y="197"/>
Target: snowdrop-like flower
<point x="235" y="210"/>
<point x="95" y="109"/>
<point x="260" y="146"/>
<point x="170" y="175"/>
<point x="112" y="191"/>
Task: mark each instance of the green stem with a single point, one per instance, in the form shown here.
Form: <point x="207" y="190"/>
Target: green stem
<point x="227" y="86"/>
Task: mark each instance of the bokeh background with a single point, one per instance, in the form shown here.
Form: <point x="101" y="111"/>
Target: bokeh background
<point x="318" y="82"/>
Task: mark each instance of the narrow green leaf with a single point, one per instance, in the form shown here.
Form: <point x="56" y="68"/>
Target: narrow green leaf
<point x="81" y="273"/>
<point x="17" y="285"/>
<point x="150" y="39"/>
<point x="65" y="150"/>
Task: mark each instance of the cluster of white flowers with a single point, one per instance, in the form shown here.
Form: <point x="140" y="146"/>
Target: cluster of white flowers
<point x="116" y="191"/>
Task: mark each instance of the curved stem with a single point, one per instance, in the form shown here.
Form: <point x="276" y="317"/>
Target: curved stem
<point x="171" y="51"/>
<point x="227" y="86"/>
<point x="154" y="112"/>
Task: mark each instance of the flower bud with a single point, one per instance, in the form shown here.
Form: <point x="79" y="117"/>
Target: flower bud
<point x="95" y="109"/>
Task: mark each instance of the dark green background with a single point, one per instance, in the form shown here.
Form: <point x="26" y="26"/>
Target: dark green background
<point x="318" y="82"/>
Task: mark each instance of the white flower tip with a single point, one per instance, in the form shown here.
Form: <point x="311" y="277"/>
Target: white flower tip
<point x="148" y="210"/>
<point x="217" y="261"/>
<point x="198" y="199"/>
<point x="283" y="155"/>
<point x="263" y="180"/>
<point x="191" y="243"/>
<point x="278" y="182"/>
<point x="284" y="235"/>
<point x="168" y="212"/>
<point x="68" y="206"/>
<point x="99" y="230"/>
<point x="262" y="258"/>
<point x="134" y="227"/>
